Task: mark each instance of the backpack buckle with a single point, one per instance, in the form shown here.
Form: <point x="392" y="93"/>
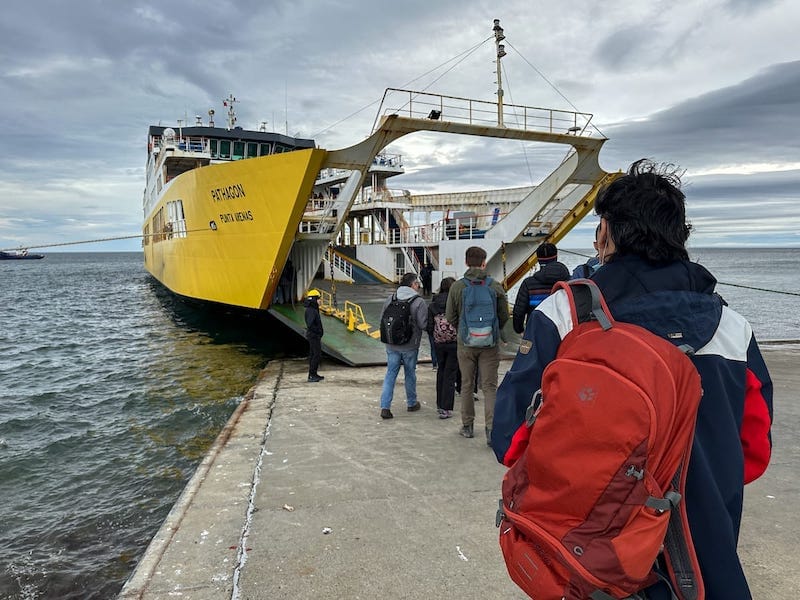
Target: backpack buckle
<point x="500" y="514"/>
<point x="533" y="410"/>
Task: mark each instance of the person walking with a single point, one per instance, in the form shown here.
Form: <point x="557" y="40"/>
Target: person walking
<point x="444" y="336"/>
<point x="314" y="332"/>
<point x="404" y="318"/>
<point x="537" y="287"/>
<point x="647" y="279"/>
<point x="474" y="355"/>
<point x="586" y="270"/>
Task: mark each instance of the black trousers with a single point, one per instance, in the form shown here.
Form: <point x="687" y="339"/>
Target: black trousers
<point x="446" y="374"/>
<point x="314" y="353"/>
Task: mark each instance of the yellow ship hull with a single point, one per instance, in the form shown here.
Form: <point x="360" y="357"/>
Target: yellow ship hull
<point x="241" y="218"/>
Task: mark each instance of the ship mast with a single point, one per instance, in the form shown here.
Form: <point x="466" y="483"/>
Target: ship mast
<point x="229" y="102"/>
<point x="501" y="52"/>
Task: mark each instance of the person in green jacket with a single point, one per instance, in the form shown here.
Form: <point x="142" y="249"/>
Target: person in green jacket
<point x="472" y="359"/>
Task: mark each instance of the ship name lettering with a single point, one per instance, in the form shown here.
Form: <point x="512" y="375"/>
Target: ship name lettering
<point x="228" y="193"/>
<point x="239" y="215"/>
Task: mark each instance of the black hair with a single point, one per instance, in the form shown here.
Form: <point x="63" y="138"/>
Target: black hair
<point x="444" y="286"/>
<point x="646" y="212"/>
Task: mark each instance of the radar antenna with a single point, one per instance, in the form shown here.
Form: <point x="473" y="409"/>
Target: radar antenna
<point x="229" y="102"/>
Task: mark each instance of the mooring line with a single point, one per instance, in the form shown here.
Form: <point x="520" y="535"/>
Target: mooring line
<point x="107" y="239"/>
<point x="738" y="285"/>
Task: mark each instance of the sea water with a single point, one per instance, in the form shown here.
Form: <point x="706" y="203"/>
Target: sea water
<point x="111" y="392"/>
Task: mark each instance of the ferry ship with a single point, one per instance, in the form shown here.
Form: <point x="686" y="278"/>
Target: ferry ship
<point x="228" y="211"/>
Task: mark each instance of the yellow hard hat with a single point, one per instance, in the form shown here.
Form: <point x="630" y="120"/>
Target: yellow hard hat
<point x="314" y="293"/>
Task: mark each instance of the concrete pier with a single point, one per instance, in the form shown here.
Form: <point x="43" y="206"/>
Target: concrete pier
<point x="308" y="493"/>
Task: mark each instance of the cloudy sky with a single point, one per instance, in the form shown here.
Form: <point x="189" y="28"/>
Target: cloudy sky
<point x="710" y="85"/>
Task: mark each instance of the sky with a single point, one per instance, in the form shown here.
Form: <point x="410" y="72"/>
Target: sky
<point x="712" y="86"/>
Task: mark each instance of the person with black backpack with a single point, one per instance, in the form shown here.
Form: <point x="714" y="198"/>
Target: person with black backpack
<point x="478" y="305"/>
<point x="403" y="319"/>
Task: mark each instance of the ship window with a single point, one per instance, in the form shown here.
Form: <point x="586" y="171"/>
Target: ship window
<point x="238" y="150"/>
<point x="158" y="225"/>
<point x="176" y="221"/>
<point x="146" y="236"/>
<point x="214" y="149"/>
<point x="224" y="149"/>
<point x="265" y="149"/>
<point x="252" y="149"/>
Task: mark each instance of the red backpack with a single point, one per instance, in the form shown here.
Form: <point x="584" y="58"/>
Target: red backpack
<point x="595" y="497"/>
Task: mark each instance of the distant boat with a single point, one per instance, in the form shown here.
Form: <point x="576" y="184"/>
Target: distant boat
<point x="19" y="255"/>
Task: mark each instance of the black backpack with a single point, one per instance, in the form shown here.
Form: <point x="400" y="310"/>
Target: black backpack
<point x="396" y="322"/>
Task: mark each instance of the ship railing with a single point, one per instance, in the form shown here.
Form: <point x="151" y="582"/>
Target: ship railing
<point x="383" y="195"/>
<point x="318" y="216"/>
<point x="424" y="105"/>
<point x="328" y="175"/>
<point x="445" y="229"/>
<point x="352" y="315"/>
<point x="345" y="266"/>
<point x="186" y="144"/>
<point x="392" y="161"/>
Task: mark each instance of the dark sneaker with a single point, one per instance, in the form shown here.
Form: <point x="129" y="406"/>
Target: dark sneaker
<point x="315" y="378"/>
<point x="445" y="414"/>
<point x="475" y="397"/>
<point x="414" y="407"/>
<point x="386" y="414"/>
<point x="488" y="436"/>
<point x="466" y="431"/>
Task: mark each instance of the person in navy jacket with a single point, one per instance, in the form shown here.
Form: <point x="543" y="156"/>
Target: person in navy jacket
<point x="647" y="279"/>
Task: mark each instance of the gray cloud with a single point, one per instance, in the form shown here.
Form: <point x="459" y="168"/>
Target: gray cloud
<point x="83" y="80"/>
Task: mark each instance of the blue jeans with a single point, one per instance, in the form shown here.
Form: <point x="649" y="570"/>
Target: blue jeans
<point x="434" y="358"/>
<point x="394" y="359"/>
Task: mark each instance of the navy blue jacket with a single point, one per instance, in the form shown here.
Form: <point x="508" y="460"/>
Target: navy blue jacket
<point x="732" y="443"/>
<point x="534" y="289"/>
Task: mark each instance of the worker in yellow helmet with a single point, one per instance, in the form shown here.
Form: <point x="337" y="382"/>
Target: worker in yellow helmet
<point x="314" y="333"/>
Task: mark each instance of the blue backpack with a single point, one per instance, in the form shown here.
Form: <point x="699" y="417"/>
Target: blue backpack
<point x="479" y="327"/>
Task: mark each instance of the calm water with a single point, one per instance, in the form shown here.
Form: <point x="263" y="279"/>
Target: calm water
<point x="111" y="392"/>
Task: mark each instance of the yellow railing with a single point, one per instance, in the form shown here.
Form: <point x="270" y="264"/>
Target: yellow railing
<point x="352" y="315"/>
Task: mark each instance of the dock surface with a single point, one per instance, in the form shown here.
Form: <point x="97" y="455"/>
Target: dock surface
<point x="308" y="493"/>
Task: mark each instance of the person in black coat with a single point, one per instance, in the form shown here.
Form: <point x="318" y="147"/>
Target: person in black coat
<point x="445" y="347"/>
<point x="426" y="277"/>
<point x="538" y="286"/>
<point x="314" y="334"/>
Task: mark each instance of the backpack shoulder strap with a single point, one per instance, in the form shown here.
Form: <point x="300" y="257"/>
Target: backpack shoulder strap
<point x="586" y="302"/>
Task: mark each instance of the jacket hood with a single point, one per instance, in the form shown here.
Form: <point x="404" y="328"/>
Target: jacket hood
<point x="406" y="293"/>
<point x="476" y="273"/>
